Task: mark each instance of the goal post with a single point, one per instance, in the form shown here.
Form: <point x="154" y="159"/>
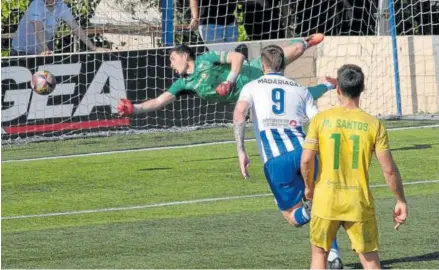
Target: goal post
<point x="396" y="50"/>
<point x="392" y="25"/>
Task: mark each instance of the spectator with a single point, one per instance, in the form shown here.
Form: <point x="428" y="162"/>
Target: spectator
<point x="37" y="28"/>
<point x="215" y="20"/>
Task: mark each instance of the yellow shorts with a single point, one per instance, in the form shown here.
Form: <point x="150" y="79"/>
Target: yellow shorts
<point x="363" y="235"/>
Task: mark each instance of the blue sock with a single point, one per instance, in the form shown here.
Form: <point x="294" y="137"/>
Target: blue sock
<point x="334" y="244"/>
<point x="334" y="253"/>
<point x="301" y="216"/>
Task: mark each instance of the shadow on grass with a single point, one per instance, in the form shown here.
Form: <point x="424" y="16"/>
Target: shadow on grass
<point x="415" y="147"/>
<point x="222" y="158"/>
<point x="156" y="169"/>
<point x="387" y="264"/>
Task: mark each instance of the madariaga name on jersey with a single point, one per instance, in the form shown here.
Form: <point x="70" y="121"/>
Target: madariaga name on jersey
<point x="278" y="81"/>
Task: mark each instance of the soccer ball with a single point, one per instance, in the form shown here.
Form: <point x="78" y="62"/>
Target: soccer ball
<point x="43" y="82"/>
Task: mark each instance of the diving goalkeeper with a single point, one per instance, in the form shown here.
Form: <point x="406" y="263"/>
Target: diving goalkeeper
<point x="218" y="76"/>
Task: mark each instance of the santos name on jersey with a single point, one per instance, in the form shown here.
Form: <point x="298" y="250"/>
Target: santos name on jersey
<point x="279" y="108"/>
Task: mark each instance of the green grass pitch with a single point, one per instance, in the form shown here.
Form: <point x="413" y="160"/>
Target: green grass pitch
<point x="195" y="231"/>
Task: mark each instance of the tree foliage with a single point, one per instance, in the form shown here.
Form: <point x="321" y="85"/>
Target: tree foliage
<point x="83" y="10"/>
<point x="12" y="11"/>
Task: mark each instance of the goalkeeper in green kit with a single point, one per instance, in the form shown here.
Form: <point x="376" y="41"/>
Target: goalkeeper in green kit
<point x="218" y="76"/>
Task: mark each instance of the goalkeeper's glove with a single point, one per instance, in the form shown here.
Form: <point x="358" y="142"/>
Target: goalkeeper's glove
<point x="224" y="88"/>
<point x="125" y="107"/>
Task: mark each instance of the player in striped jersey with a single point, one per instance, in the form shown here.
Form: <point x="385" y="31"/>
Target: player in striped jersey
<point x="279" y="106"/>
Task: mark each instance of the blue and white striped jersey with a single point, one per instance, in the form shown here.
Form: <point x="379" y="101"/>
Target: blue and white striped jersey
<point x="279" y="107"/>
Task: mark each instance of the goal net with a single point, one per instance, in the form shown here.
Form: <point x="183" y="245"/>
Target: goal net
<point x="402" y="73"/>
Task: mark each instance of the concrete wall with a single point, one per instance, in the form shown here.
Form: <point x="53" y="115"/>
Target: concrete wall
<point x="122" y="42"/>
<point x="419" y="72"/>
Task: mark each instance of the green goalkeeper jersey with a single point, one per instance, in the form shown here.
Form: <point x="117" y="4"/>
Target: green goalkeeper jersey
<point x="211" y="69"/>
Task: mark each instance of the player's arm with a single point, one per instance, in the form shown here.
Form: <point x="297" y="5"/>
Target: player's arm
<point x="318" y="90"/>
<point x="391" y="174"/>
<point x="235" y="59"/>
<point x="239" y="115"/>
<point x="393" y="180"/>
<point x="308" y="155"/>
<point x="126" y="108"/>
<point x="307" y="160"/>
<point x="307" y="170"/>
<point x="310" y="107"/>
<point x="241" y="109"/>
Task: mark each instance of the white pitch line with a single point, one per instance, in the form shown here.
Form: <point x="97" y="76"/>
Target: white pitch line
<point x="162" y="148"/>
<point x="119" y="151"/>
<point x="157" y="205"/>
<point x="418" y="127"/>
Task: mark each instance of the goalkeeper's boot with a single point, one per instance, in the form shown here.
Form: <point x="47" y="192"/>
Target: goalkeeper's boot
<point x="314" y="39"/>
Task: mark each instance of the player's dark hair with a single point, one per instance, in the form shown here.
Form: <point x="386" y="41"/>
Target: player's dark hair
<point x="273" y="57"/>
<point x="180" y="49"/>
<point x="350" y="80"/>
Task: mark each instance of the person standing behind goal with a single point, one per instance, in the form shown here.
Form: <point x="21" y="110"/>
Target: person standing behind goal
<point x="215" y="20"/>
<point x="279" y="107"/>
<point x="345" y="139"/>
<point x="37" y="28"/>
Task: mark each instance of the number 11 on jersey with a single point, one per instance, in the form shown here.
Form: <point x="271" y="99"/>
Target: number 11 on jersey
<point x="355" y="151"/>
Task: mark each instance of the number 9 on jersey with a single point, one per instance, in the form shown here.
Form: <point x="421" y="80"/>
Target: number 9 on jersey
<point x="278" y="98"/>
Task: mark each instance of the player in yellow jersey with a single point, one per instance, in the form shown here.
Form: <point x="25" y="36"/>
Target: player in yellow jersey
<point x="345" y="139"/>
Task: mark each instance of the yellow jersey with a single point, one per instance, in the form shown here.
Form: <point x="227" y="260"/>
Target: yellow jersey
<point x="345" y="140"/>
